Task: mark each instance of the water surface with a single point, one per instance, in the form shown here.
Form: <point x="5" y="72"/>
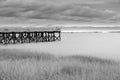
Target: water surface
<point x="105" y="45"/>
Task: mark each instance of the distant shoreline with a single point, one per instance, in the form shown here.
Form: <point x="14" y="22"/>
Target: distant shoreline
<point x="89" y="31"/>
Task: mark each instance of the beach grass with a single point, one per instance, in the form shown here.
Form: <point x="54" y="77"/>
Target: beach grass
<point x="23" y="65"/>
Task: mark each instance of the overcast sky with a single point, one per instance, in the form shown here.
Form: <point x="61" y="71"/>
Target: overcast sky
<point x="67" y="11"/>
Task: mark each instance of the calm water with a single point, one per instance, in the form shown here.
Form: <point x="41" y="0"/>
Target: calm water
<point x="105" y="45"/>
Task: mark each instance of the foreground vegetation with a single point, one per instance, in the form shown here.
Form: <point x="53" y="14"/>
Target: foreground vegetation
<point x="21" y="65"/>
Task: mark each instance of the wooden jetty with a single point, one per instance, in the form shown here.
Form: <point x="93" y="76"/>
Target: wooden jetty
<point x="29" y="35"/>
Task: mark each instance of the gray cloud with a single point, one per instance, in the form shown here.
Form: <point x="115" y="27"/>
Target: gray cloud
<point x="39" y="9"/>
<point x="89" y="12"/>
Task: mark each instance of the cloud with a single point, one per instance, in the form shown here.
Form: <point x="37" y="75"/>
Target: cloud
<point x="89" y="14"/>
<point x="115" y="18"/>
<point x="53" y="1"/>
<point x="51" y="10"/>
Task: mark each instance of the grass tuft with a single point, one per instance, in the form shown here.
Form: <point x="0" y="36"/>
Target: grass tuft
<point x="20" y="65"/>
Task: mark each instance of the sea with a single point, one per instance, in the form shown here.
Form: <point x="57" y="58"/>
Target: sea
<point x="96" y="42"/>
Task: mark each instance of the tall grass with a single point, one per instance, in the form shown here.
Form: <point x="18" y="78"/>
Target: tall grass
<point x="49" y="67"/>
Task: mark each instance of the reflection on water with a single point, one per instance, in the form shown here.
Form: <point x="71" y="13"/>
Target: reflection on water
<point x="93" y="44"/>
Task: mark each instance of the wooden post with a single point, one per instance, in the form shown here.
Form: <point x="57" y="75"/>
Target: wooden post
<point x="1" y="37"/>
<point x="4" y="38"/>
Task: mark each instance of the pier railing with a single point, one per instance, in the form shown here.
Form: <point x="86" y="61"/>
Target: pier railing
<point x="16" y="36"/>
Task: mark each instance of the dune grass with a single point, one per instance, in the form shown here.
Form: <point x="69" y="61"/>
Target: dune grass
<point x="22" y="65"/>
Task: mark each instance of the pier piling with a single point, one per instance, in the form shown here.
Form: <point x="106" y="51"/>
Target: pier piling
<point x="15" y="37"/>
